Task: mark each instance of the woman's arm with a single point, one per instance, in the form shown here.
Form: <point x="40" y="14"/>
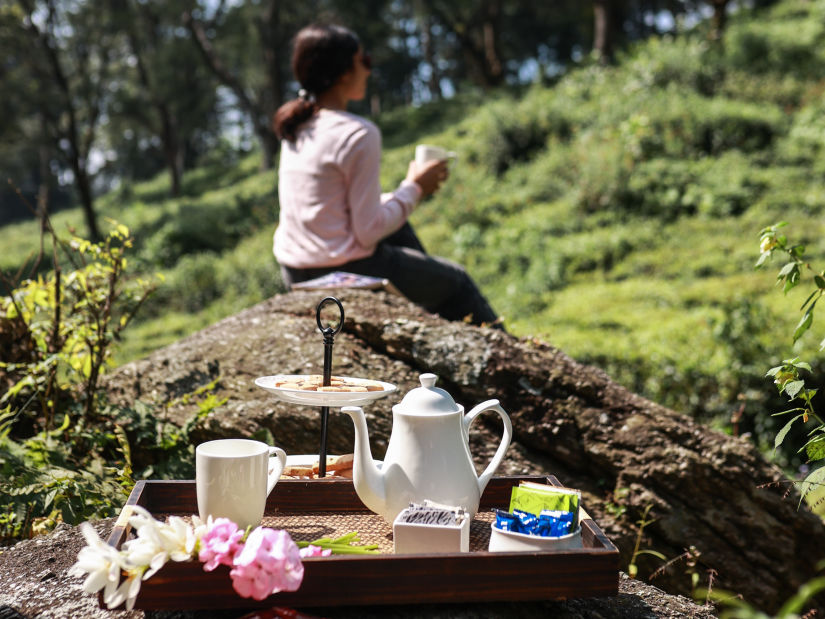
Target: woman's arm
<point x="374" y="216"/>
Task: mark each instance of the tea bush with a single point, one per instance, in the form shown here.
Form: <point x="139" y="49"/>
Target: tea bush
<point x="238" y="278"/>
<point x="791" y="43"/>
<point x="726" y="186"/>
<point x="206" y="226"/>
<point x="784" y="90"/>
<point x="680" y="124"/>
<point x="805" y="142"/>
<point x="688" y="61"/>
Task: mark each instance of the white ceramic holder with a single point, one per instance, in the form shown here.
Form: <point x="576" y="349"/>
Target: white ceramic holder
<point x="508" y="541"/>
<point x="416" y="537"/>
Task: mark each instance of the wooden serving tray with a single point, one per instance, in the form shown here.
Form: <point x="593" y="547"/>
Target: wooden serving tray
<point x="309" y="509"/>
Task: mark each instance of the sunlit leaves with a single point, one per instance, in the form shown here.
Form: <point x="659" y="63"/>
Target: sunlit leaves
<point x="787" y="377"/>
<point x="814" y="480"/>
<point x="72" y="318"/>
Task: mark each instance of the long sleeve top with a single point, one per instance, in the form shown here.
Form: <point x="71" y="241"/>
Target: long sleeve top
<point x="332" y="210"/>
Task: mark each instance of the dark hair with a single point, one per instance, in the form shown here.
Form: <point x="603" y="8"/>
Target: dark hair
<point x="320" y="55"/>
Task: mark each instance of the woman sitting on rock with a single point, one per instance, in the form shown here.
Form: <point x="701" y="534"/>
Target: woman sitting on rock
<point x="333" y="215"/>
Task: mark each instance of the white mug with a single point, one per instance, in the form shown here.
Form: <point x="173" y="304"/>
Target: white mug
<point x="428" y="152"/>
<point x="234" y="476"/>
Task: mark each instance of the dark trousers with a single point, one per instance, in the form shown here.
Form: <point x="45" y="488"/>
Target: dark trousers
<point x="438" y="285"/>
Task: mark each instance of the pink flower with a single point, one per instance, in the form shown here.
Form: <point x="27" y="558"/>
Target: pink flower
<point x="220" y="544"/>
<point x="315" y="551"/>
<point x="269" y="562"/>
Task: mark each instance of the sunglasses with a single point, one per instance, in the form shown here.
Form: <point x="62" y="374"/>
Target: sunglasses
<point x="366" y="60"/>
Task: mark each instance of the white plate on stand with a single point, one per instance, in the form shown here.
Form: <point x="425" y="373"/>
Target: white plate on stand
<point x="323" y="398"/>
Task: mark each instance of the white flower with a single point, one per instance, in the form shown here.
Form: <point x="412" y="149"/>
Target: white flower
<point x="126" y="592"/>
<point x="178" y="539"/>
<point x="143" y="556"/>
<point x="175" y="539"/>
<point x="138" y="558"/>
<point x="199" y="529"/>
<point x="100" y="561"/>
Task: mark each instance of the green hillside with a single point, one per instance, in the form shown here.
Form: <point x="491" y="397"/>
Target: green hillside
<point x="614" y="214"/>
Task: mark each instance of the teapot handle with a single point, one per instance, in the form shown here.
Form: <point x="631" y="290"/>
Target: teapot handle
<point x="502" y="447"/>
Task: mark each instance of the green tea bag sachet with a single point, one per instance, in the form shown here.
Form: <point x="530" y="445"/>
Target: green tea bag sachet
<point x="533" y="498"/>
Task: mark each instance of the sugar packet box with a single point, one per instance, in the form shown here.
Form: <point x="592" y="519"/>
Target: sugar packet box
<point x="431" y="528"/>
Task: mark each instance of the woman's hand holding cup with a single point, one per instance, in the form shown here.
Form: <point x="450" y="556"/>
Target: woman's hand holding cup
<point x="428" y="175"/>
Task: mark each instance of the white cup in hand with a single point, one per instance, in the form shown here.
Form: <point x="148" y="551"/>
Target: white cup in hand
<point x="234" y="477"/>
<point x="428" y="152"/>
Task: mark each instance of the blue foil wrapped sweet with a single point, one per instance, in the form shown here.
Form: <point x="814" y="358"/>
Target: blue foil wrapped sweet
<point x="505" y="521"/>
<point x="549" y="523"/>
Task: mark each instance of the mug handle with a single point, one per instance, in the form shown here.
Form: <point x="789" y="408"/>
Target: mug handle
<point x="275" y="468"/>
<point x="502" y="446"/>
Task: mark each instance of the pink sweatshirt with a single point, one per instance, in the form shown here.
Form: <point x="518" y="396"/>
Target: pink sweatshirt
<point x="332" y="209"/>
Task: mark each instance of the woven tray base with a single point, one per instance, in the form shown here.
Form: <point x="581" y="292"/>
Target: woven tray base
<point x="372" y="529"/>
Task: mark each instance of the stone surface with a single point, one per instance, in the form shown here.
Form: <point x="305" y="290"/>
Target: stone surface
<point x="34" y="582"/>
<point x="706" y="492"/>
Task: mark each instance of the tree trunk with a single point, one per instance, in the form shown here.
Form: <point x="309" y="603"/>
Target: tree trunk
<point x="43" y="186"/>
<point x="719" y="19"/>
<point x="84" y="190"/>
<point x="168" y="132"/>
<point x="78" y="147"/>
<point x="171" y="148"/>
<point x="428" y="46"/>
<point x="493" y="67"/>
<point x="269" y="28"/>
<point x="603" y="26"/>
<point x="479" y="40"/>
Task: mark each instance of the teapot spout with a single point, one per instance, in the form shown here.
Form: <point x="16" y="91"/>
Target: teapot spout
<point x="367" y="478"/>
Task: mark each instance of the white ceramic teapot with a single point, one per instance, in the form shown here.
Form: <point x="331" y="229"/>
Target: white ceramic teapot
<point x="428" y="456"/>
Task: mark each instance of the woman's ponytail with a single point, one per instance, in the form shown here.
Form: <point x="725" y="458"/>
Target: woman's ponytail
<point x="292" y="115"/>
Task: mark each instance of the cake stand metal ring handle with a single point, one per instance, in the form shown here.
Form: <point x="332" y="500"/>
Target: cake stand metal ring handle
<point x="329" y="330"/>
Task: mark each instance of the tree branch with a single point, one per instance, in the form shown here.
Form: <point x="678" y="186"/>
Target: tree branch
<point x="217" y="66"/>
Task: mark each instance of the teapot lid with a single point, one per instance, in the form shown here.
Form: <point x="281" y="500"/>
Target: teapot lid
<point x="427" y="399"/>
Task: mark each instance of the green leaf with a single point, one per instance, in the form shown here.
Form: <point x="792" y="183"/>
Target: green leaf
<point x="780" y="436"/>
<point x="797" y="251"/>
<point x="787" y="270"/>
<point x="816" y="501"/>
<point x="815" y="449"/>
<point x="790" y="410"/>
<point x="801" y="364"/>
<point x="808" y="300"/>
<point x="819" y="281"/>
<point x="797" y="602"/>
<point x="775" y="371"/>
<point x="804" y="324"/>
<point x="771" y="229"/>
<point x="814" y="480"/>
<point x="654" y="553"/>
<point x="790" y="282"/>
<point x="793" y="388"/>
